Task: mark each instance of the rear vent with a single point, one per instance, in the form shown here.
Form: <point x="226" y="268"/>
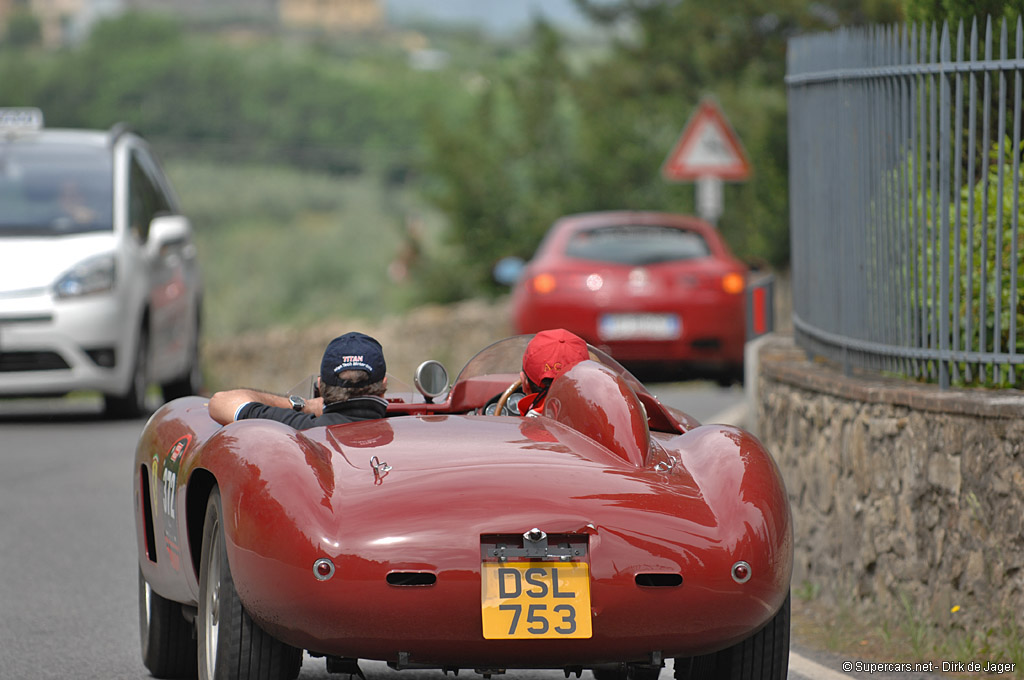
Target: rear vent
<point x="147" y="515"/>
<point x="411" y="578"/>
<point x="659" y="580"/>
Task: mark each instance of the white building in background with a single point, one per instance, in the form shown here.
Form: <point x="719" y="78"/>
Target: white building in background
<point x="66" y="22"/>
<point x="63" y="22"/>
<point x="228" y="10"/>
<point x="323" y="15"/>
<point x="332" y="15"/>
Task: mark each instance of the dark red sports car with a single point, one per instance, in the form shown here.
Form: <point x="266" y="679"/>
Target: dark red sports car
<point x="609" y="533"/>
<point x="646" y="287"/>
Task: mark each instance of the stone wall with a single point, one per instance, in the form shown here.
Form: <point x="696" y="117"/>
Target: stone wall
<point x="904" y="496"/>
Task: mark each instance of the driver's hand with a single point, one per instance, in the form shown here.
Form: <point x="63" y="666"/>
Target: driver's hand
<point x="314" y="406"/>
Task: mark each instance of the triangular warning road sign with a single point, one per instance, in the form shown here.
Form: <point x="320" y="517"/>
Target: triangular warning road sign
<point x="708" y="147"/>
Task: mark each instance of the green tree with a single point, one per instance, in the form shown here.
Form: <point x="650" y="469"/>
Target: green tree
<point x="966" y="10"/>
<point x="271" y="102"/>
<point x="550" y="140"/>
<point x="504" y="173"/>
<point x="23" y="28"/>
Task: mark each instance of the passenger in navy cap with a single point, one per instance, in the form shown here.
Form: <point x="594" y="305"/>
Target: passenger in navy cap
<point x="352" y="382"/>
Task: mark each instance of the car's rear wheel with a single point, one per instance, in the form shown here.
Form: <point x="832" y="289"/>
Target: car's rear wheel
<point x="762" y="656"/>
<point x="168" y="646"/>
<point x="132" y="404"/>
<point x="231" y="644"/>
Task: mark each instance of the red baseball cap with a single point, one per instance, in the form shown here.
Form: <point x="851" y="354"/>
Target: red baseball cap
<point x="552" y="353"/>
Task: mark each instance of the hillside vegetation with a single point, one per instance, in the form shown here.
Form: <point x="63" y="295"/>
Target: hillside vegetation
<point x="332" y="177"/>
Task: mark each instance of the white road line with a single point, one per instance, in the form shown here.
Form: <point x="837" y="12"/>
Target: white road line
<point x="813" y="671"/>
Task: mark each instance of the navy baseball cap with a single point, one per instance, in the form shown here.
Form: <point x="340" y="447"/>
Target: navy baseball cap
<point x="353" y="352"/>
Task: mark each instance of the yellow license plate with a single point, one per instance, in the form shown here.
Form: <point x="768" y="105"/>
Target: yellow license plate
<point x="531" y="600"/>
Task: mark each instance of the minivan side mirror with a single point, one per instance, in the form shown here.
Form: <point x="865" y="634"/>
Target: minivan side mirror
<point x="167" y="231"/>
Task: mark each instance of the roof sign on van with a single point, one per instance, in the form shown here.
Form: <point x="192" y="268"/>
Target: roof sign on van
<point x="25" y="118"/>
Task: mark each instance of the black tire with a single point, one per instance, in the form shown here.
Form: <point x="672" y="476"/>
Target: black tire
<point x="624" y="672"/>
<point x="231" y="645"/>
<point x="133" y="404"/>
<point x="191" y="382"/>
<point x="168" y="644"/>
<point x="762" y="656"/>
<point x="731" y="375"/>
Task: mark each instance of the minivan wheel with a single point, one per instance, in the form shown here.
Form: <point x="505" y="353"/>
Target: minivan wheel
<point x="133" y="403"/>
<point x="191" y="382"/>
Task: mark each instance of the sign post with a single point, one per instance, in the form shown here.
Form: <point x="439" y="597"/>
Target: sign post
<point x="708" y="152"/>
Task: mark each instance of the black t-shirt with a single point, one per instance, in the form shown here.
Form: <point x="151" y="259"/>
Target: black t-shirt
<point x="338" y="413"/>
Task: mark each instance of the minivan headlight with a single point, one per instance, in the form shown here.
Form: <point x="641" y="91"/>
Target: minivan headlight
<point x="94" y="275"/>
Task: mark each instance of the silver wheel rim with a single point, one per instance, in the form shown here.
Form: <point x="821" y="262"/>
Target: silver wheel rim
<point x="147" y="599"/>
<point x="211" y="622"/>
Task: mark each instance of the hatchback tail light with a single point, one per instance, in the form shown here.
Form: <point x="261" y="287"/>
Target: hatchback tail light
<point x="734" y="283"/>
<point x="544" y="283"/>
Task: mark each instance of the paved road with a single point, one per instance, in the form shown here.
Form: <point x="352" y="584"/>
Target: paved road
<point x="68" y="602"/>
<point x="67" y="547"/>
<point x="705" y="401"/>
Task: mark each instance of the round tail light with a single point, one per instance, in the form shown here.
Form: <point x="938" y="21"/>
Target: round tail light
<point x="741" y="572"/>
<point x="323" y="569"/>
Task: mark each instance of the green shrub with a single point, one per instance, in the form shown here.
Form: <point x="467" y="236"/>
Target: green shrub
<point x="985" y="281"/>
<point x="990" y="277"/>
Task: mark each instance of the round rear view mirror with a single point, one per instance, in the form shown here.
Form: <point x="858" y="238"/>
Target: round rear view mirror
<point x="431" y="379"/>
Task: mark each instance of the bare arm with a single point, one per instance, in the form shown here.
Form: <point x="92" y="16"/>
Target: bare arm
<point x="224" y="405"/>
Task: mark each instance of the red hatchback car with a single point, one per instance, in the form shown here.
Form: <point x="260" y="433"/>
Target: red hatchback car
<point x="646" y="287"/>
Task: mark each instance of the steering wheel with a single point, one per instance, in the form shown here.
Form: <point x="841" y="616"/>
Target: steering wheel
<point x="503" y="399"/>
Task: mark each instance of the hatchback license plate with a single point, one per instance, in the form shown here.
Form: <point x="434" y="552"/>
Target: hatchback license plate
<point x="639" y="327"/>
<point x="531" y="600"/>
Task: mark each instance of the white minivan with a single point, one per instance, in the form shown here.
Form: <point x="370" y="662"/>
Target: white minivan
<point x="100" y="288"/>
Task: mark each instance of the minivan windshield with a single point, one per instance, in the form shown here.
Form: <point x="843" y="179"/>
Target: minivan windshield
<point x="48" y="190"/>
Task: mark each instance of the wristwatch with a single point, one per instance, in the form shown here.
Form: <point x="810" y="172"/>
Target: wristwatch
<point x="298" y="403"/>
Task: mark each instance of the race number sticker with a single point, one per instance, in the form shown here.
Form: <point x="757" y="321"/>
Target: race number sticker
<point x="172" y="463"/>
<point x="530" y="600"/>
<point x="169" y="493"/>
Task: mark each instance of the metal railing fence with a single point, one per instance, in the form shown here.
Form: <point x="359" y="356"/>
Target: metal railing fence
<point x="905" y="198"/>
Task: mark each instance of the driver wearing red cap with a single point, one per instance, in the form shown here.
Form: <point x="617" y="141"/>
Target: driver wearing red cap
<point x="549" y="354"/>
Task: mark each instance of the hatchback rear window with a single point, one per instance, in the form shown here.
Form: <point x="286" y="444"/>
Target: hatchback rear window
<point x="637" y="244"/>
<point x="49" y="190"/>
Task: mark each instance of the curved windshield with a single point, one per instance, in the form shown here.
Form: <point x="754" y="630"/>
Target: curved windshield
<point x="48" y="190"/>
<point x="506" y="357"/>
<point x="637" y="244"/>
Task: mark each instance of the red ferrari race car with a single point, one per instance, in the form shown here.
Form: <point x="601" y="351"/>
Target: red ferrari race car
<point x="649" y="288"/>
<point x="609" y="533"/>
